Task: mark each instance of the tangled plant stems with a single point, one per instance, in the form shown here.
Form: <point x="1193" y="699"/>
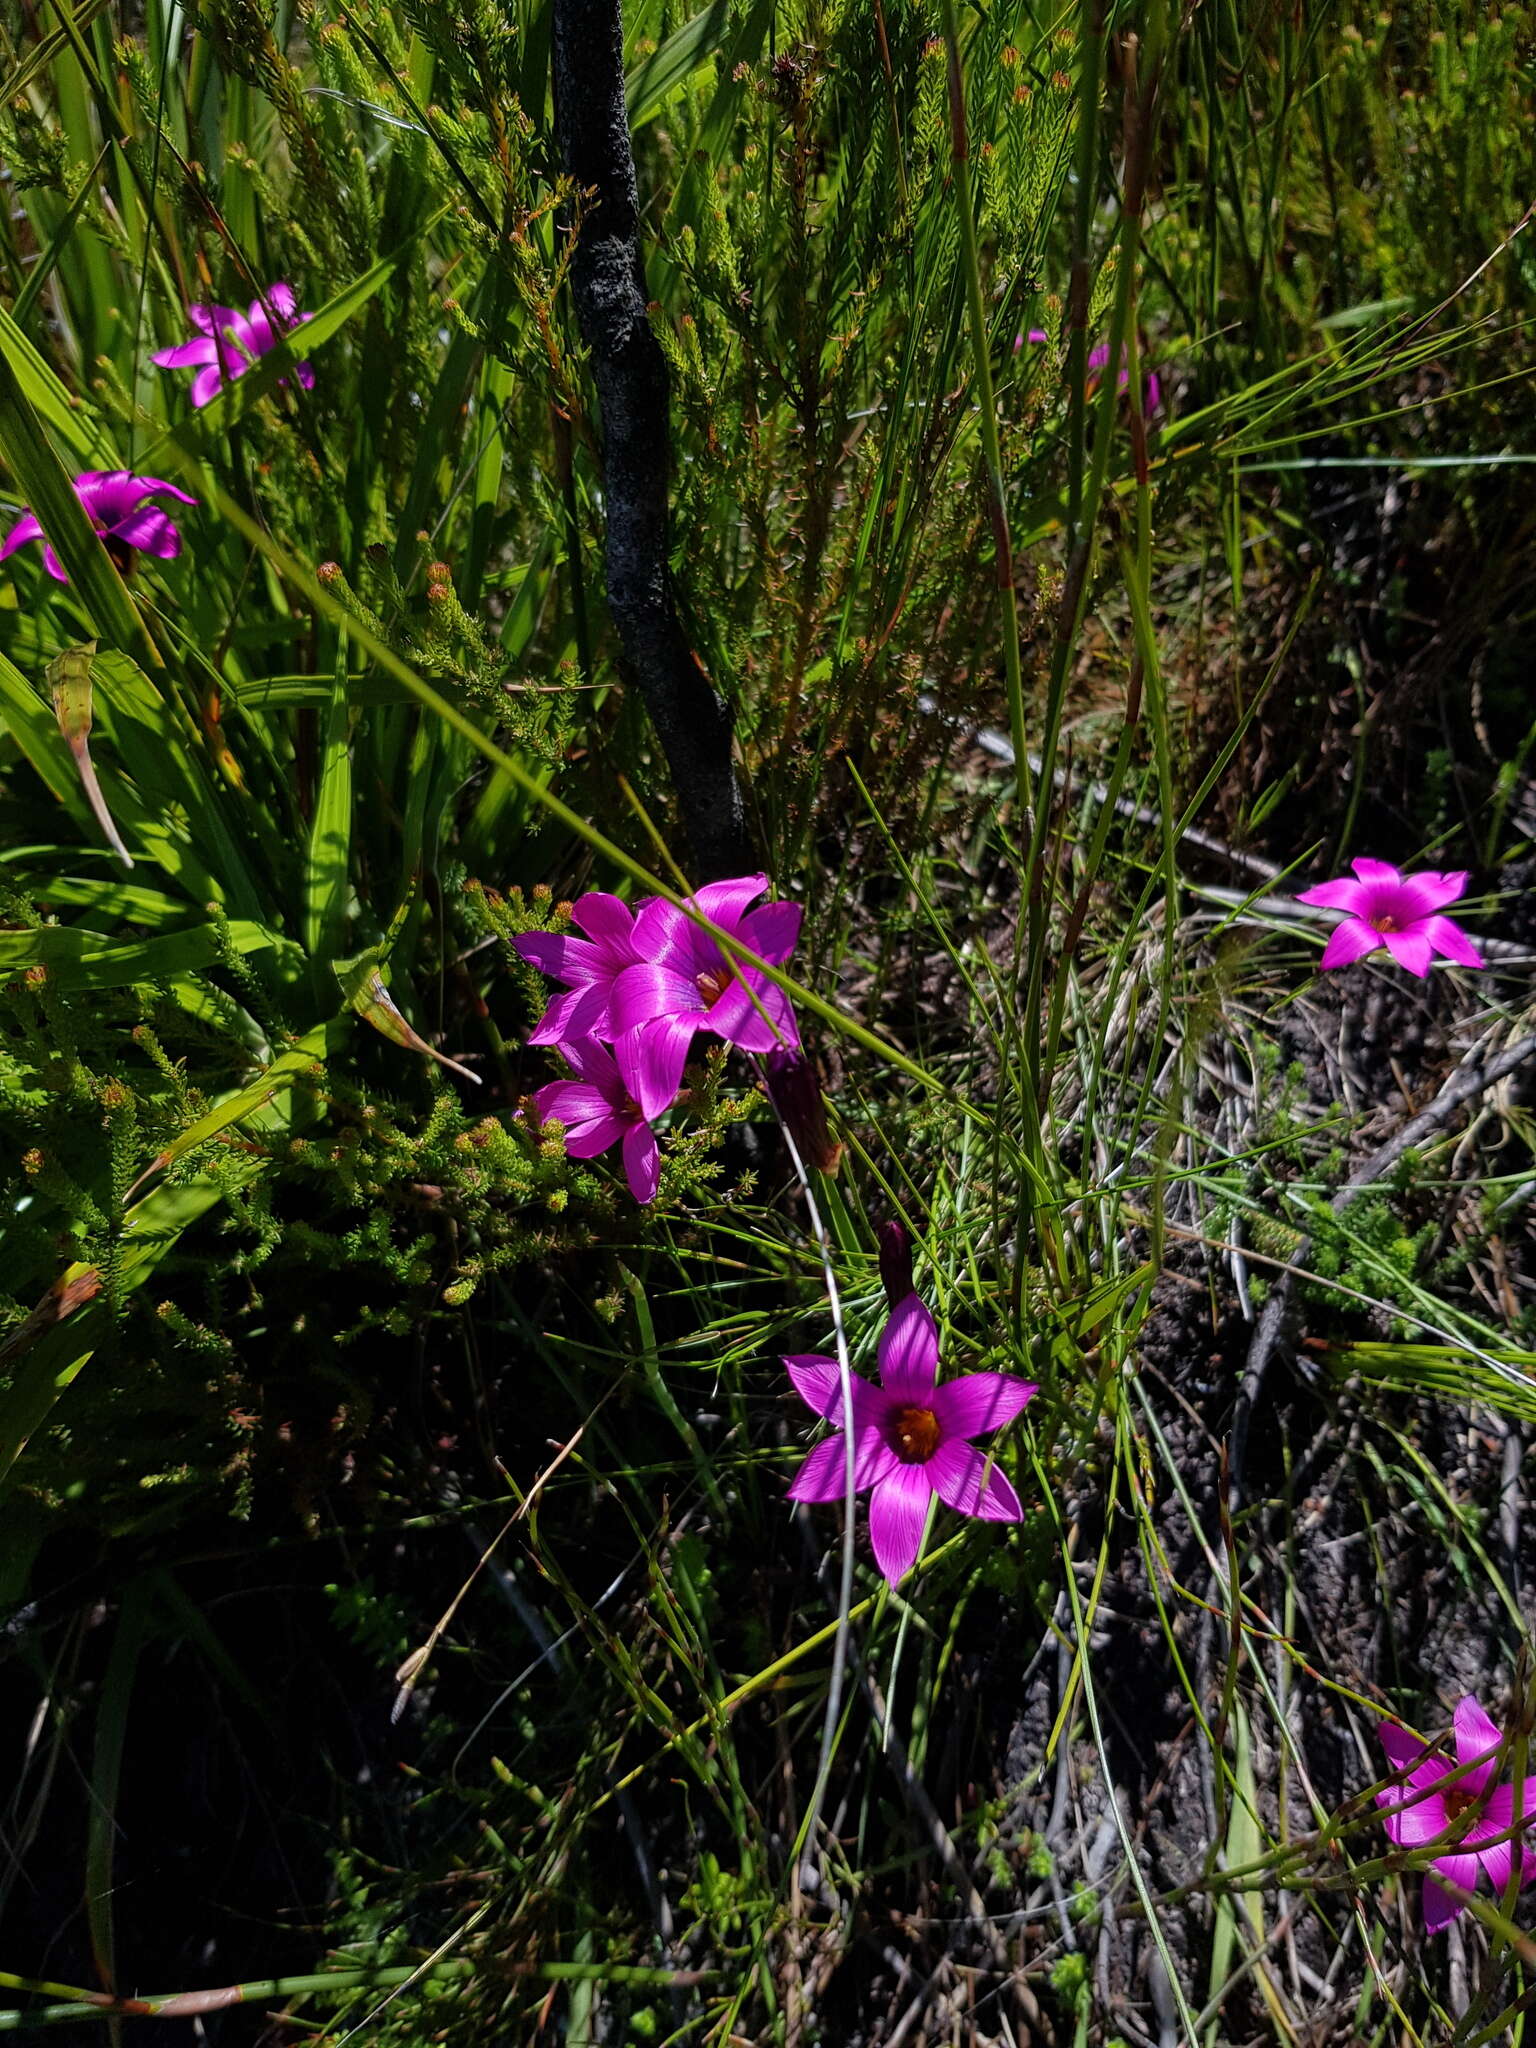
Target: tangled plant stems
<point x="113" y="501"/>
<point x="1418" y="1811"/>
<point x="1401" y="912"/>
<point x="911" y="1437"/>
<point x="646" y="982"/>
<point x="228" y="342"/>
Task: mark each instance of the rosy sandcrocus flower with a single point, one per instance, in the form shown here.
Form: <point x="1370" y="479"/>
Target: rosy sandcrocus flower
<point x="911" y="1437"/>
<point x="1400" y="912"/>
<point x="1419" y="1811"/>
<point x="113" y="501"/>
<point x="688" y="985"/>
<point x="228" y="342"/>
<point x="598" y="1111"/>
<point x="1098" y="359"/>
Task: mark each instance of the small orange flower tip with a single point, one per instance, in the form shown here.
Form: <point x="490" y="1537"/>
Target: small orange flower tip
<point x="328" y="574"/>
<point x="439" y="572"/>
<point x="438" y="593"/>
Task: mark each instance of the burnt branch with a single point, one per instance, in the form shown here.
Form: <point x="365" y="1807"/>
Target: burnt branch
<point x="691" y="718"/>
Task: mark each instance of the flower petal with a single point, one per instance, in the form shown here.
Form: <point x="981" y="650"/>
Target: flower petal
<point x="186" y="353"/>
<point x="739" y="1020"/>
<point x="1499" y="1862"/>
<point x="280" y="298"/>
<point x="157" y="487"/>
<point x="592" y="1060"/>
<point x="1460" y="1868"/>
<point x="581" y="1013"/>
<point x="1440" y="1909"/>
<point x="824" y="1475"/>
<point x="52" y="563"/>
<point x="642" y="1162"/>
<point x="773" y="931"/>
<point x="1414" y="1813"/>
<point x="818" y="1384"/>
<point x="206" y="385"/>
<point x="661" y="929"/>
<point x="725" y="903"/>
<point x="572" y="960"/>
<point x="982" y="1400"/>
<point x="1402" y="1748"/>
<point x="28" y="527"/>
<point x="1410" y="950"/>
<point x="1447" y="937"/>
<point x="211" y="319"/>
<point x="1341" y="895"/>
<point x="651" y="1062"/>
<point x="607" y="922"/>
<point x="150" y="531"/>
<point x="963" y="1477"/>
<point x="1477" y="1737"/>
<point x="909" y="1350"/>
<point x="1433" y="889"/>
<point x="1349" y="941"/>
<point x="898" y="1513"/>
<point x="1497" y="1814"/>
<point x="582" y="1110"/>
<point x="1376" y="871"/>
<point x="650" y="990"/>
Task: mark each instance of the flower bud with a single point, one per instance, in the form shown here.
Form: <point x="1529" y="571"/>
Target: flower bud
<point x="895" y="1262"/>
<point x="795" y="1093"/>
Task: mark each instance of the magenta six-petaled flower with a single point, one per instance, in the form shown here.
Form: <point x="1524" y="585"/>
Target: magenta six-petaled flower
<point x="911" y="1437"/>
<point x="1402" y="912"/>
<point x="1098" y="362"/>
<point x="645" y="982"/>
<point x="597" y="1111"/>
<point x="229" y="342"/>
<point x="114" y="502"/>
<point x="1419" y="1811"/>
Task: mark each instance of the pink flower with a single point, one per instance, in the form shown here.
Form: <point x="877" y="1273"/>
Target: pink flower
<point x="1400" y="912"/>
<point x="113" y="500"/>
<point x="229" y="342"/>
<point x="1417" y="1811"/>
<point x="910" y="1437"/>
<point x="597" y="1111"/>
<point x="687" y="985"/>
<point x="1098" y="357"/>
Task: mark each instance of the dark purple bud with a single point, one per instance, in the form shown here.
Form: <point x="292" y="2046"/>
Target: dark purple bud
<point x="795" y="1093"/>
<point x="895" y="1262"/>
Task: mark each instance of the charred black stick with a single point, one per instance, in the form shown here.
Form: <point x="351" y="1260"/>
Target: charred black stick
<point x="691" y="718"/>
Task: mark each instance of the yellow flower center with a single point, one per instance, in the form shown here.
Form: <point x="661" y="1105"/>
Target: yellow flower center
<point x="914" y="1435"/>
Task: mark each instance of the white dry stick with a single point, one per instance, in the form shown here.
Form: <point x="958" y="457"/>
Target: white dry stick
<point x="845" y="1587"/>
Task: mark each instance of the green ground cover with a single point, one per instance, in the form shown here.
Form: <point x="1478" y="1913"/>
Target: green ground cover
<point x="406" y="1620"/>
